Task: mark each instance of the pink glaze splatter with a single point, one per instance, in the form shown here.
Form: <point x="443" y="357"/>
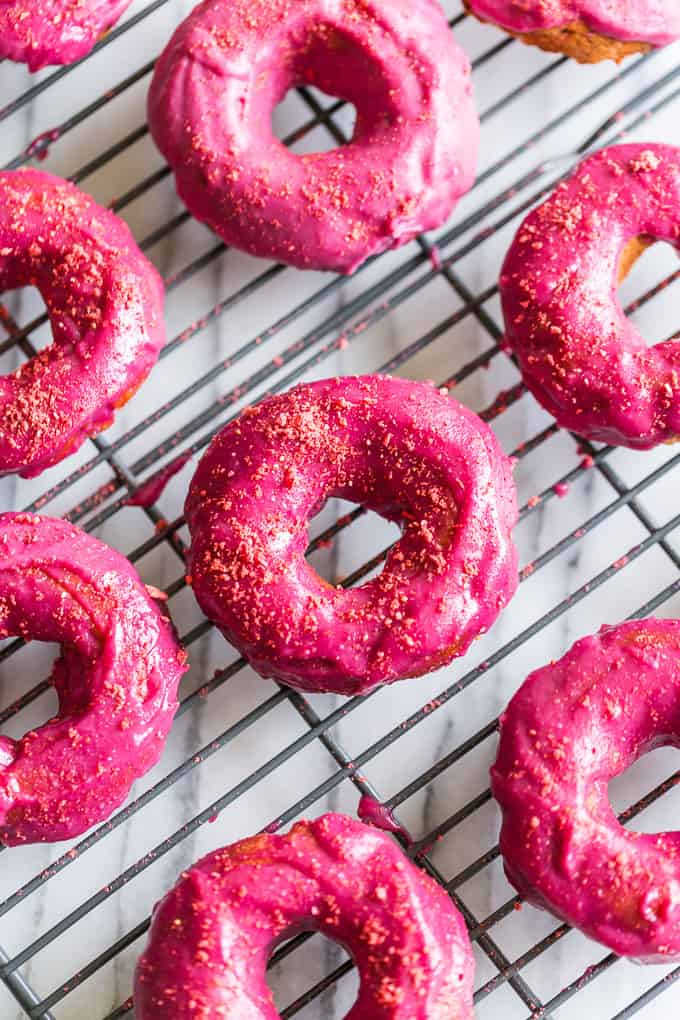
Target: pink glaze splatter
<point x="569" y="730"/>
<point x="105" y="304"/>
<point x="151" y="490"/>
<point x="656" y="22"/>
<point x="212" y="935"/>
<point x="397" y="447"/>
<point x="579" y="355"/>
<point x="41" y="32"/>
<point x="374" y="813"/>
<point x="116" y="678"/>
<point x="414" y="149"/>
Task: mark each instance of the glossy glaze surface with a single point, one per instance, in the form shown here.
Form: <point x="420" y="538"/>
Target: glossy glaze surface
<point x="213" y="934"/>
<point x="116" y="678"/>
<point x="397" y="447"/>
<point x="414" y="149"/>
<point x="41" y="32"/>
<point x="569" y="730"/>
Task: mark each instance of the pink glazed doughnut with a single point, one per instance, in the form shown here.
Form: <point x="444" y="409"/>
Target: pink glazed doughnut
<point x="569" y="730"/>
<point x="116" y="679"/>
<point x="41" y="32"/>
<point x="105" y="304"/>
<point x="587" y="30"/>
<point x="414" y="149"/>
<point x="397" y="447"/>
<point x="580" y="356"/>
<point x="213" y="934"/>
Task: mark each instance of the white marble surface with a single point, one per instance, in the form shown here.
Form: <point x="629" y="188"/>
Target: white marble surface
<point x="446" y="725"/>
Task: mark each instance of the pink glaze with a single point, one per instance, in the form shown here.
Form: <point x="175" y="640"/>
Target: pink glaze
<point x="153" y="488"/>
<point x="569" y="730"/>
<point x="105" y="303"/>
<point x="373" y="812"/>
<point x="656" y="22"/>
<point x="40" y="32"/>
<point x="116" y="679"/>
<point x="397" y="447"/>
<point x="213" y="934"/>
<point x="579" y="355"/>
<point x="414" y="149"/>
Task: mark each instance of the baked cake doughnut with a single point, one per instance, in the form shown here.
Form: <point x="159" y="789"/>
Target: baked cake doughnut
<point x="213" y="934"/>
<point x="116" y="679"/>
<point x="399" y="448"/>
<point x="412" y="155"/>
<point x="105" y="304"/>
<point x="587" y="30"/>
<point x="569" y="730"/>
<point x="580" y="356"/>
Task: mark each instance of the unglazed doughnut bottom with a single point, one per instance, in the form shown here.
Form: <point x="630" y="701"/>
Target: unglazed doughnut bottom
<point x="581" y="43"/>
<point x="397" y="447"/>
<point x="570" y="729"/>
<point x="213" y="934"/>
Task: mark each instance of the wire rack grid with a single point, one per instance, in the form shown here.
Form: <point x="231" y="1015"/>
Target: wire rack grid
<point x="599" y="536"/>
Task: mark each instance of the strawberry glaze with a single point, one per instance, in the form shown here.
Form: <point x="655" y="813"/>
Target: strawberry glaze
<point x="116" y="679"/>
<point x="41" y="32"/>
<point x="580" y="356"/>
<point x="569" y="730"/>
<point x="656" y="22"/>
<point x="105" y="304"/>
<point x="397" y="447"/>
<point x="212" y="935"/>
<point x="414" y="149"/>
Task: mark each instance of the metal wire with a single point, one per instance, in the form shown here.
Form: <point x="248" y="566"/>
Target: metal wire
<point x="649" y="93"/>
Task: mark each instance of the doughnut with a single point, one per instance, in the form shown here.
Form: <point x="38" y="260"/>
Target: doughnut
<point x="105" y="305"/>
<point x="571" y="728"/>
<point x="580" y="356"/>
<point x="399" y="448"/>
<point x="412" y="155"/>
<point x="116" y="679"/>
<point x="213" y="934"/>
<point x="41" y="32"/>
<point x="587" y="30"/>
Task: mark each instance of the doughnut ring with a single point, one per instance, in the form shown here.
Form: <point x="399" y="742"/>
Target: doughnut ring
<point x="116" y="679"/>
<point x="397" y="447"/>
<point x="412" y="155"/>
<point x="580" y="356"/>
<point x="569" y="730"/>
<point x="212" y="935"/>
<point x="105" y="305"/>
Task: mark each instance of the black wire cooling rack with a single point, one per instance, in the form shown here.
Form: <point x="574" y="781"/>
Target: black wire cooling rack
<point x="244" y="753"/>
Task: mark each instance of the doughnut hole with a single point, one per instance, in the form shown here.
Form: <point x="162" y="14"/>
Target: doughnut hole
<point x="304" y="967"/>
<point x="19" y="674"/>
<point x="18" y="308"/>
<point x="635" y="281"/>
<point x="651" y="770"/>
<point x="364" y="536"/>
<point x="634" y="250"/>
<point x="339" y="67"/>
